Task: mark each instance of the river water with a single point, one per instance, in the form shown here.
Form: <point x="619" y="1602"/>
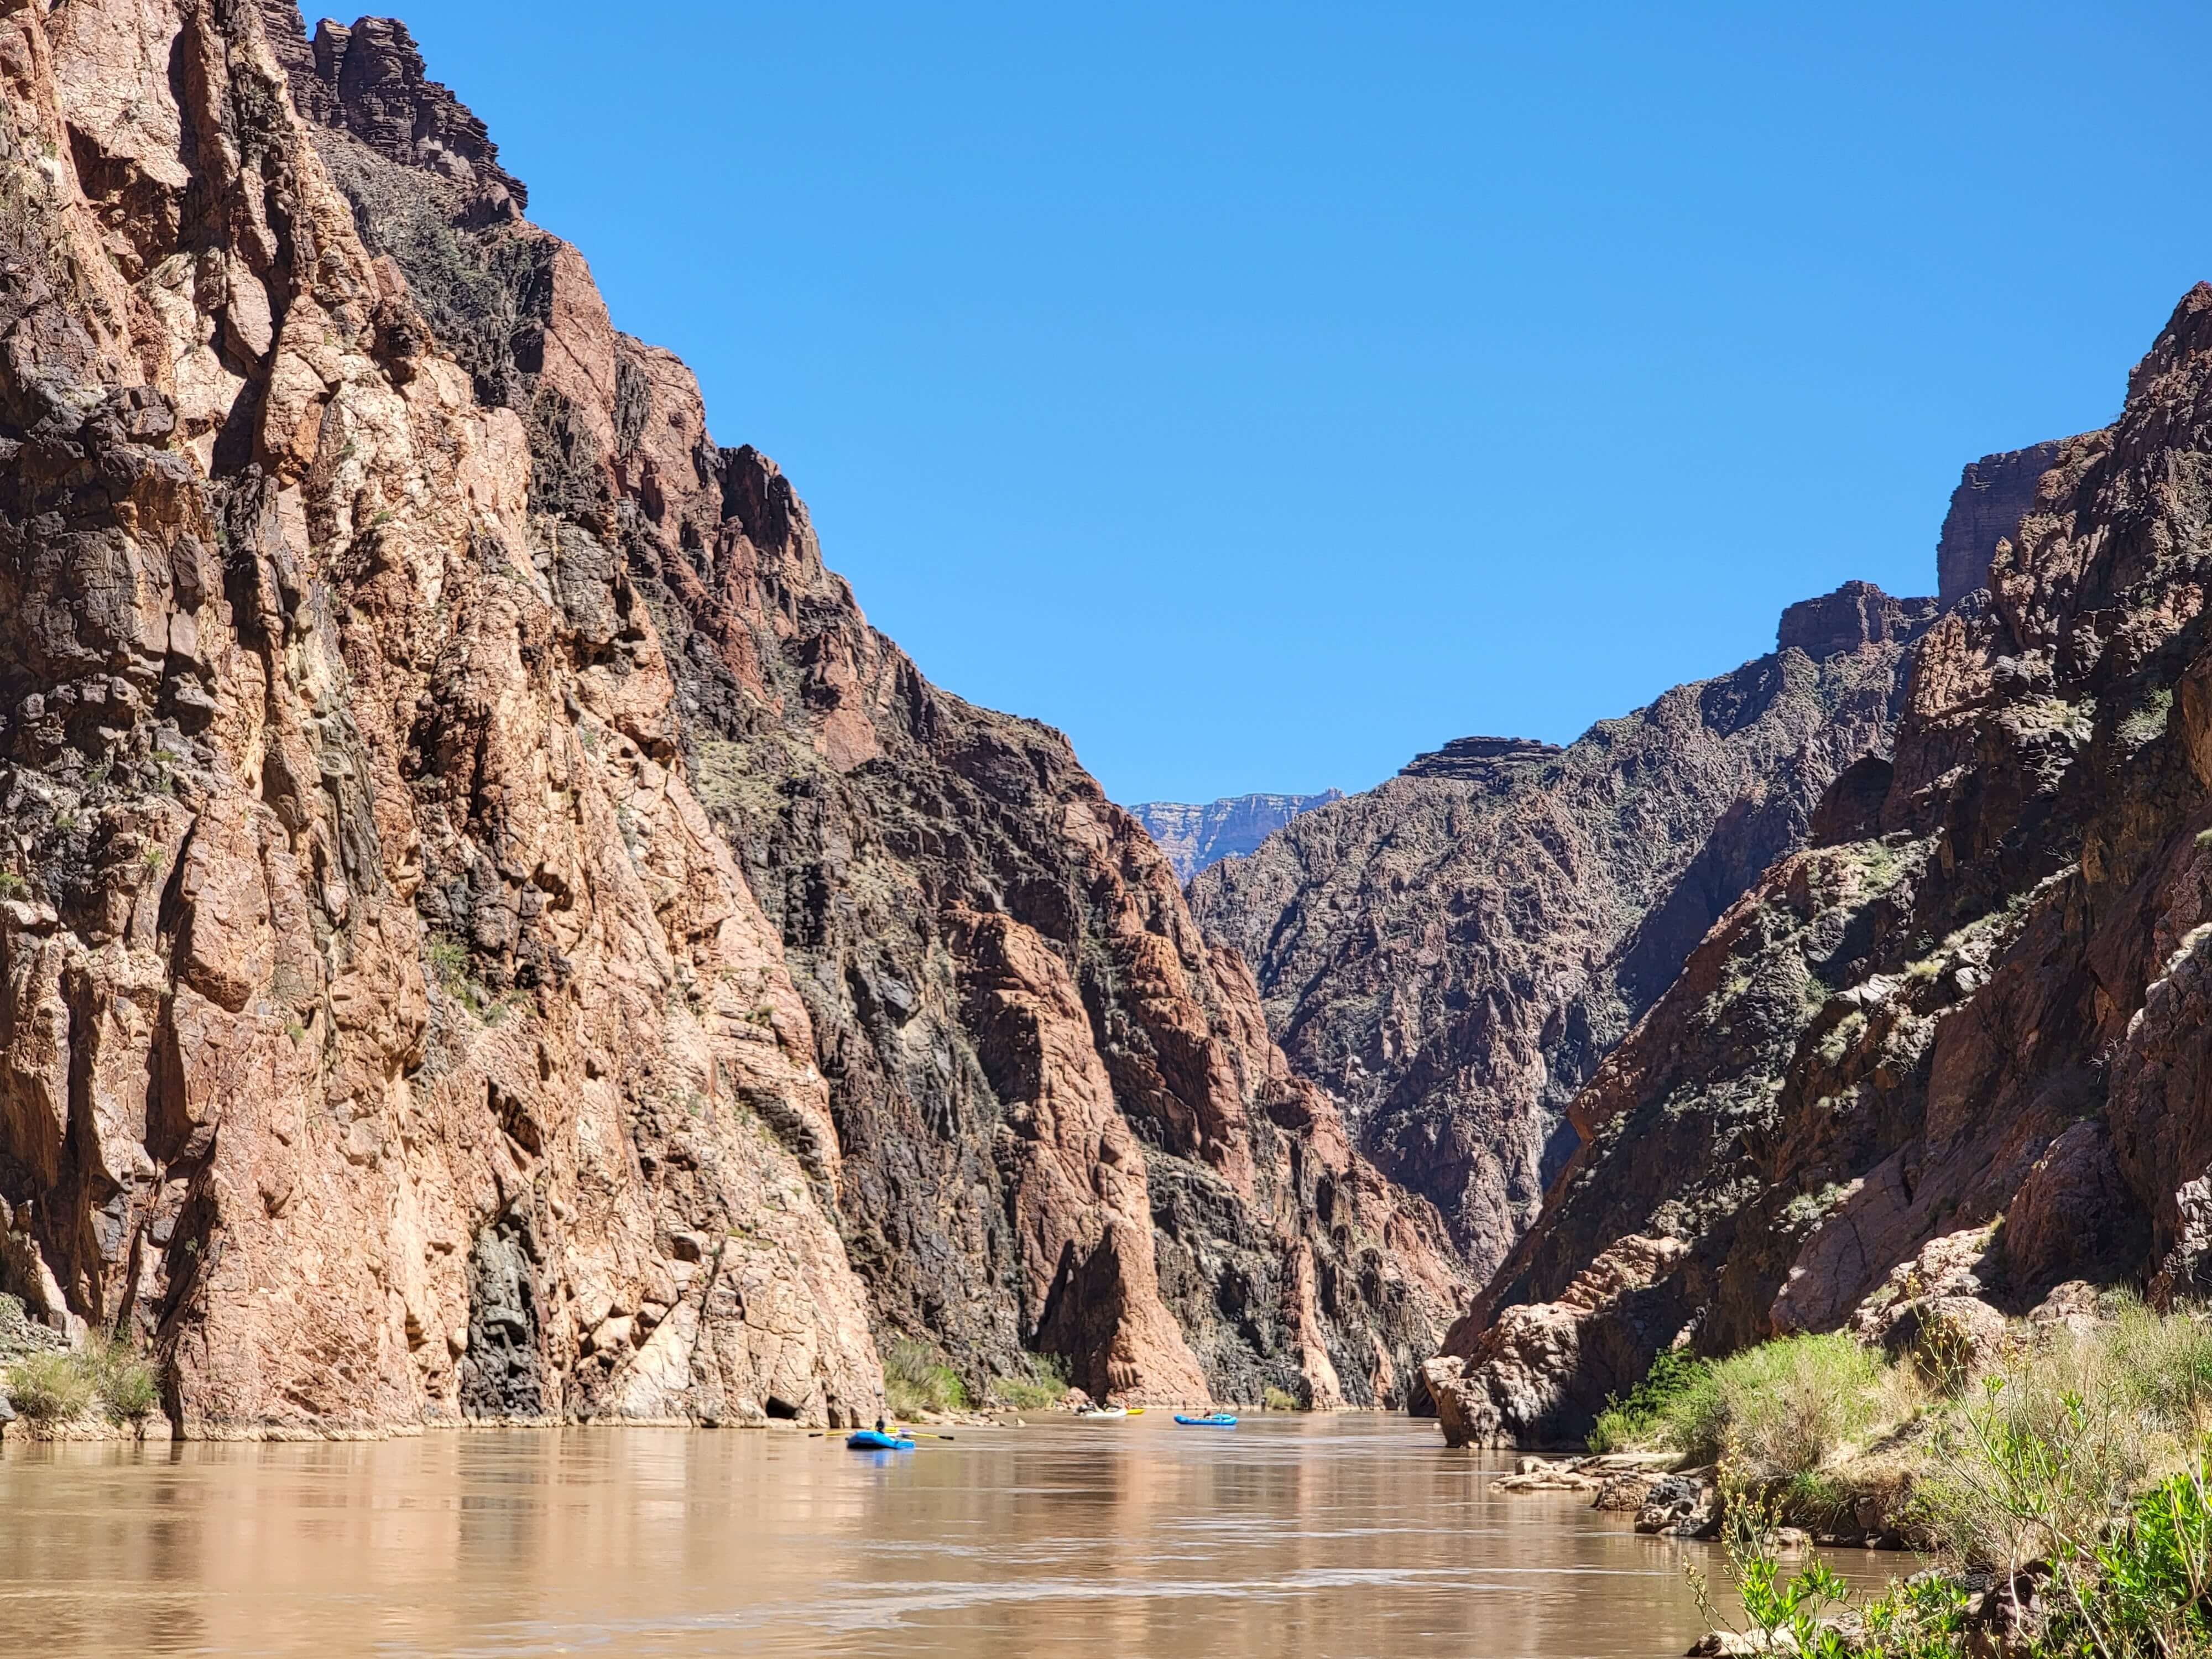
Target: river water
<point x="1289" y="1538"/>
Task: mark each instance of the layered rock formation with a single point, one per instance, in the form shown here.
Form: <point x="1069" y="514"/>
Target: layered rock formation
<point x="492" y="932"/>
<point x="1979" y="999"/>
<point x="1993" y="495"/>
<point x="1194" y="837"/>
<point x="1452" y="953"/>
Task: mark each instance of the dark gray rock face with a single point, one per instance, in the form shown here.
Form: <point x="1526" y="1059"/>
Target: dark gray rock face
<point x="1986" y="508"/>
<point x="1194" y="837"/>
<point x="1454" y="952"/>
<point x="503" y="1374"/>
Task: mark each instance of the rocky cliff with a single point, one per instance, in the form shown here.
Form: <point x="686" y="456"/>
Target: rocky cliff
<point x="1194" y="837"/>
<point x="490" y="929"/>
<point x="1452" y="953"/>
<point x="1955" y="1048"/>
<point x="1993" y="495"/>
<point x="387" y="1034"/>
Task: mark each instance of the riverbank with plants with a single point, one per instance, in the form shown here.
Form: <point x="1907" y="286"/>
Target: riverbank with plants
<point x="2055" y="1479"/>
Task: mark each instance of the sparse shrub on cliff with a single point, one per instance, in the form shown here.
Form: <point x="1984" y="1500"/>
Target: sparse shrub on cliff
<point x="916" y="1379"/>
<point x="1633" y="1421"/>
<point x="51" y="1388"/>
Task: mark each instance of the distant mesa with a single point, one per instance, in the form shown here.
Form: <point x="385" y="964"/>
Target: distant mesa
<point x="1194" y="837"/>
<point x="1479" y="759"/>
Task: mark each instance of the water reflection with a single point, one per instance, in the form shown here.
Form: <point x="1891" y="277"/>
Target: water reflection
<point x="1290" y="1538"/>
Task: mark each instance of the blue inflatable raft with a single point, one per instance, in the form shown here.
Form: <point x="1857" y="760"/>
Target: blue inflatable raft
<point x="869" y="1440"/>
<point x="1211" y="1420"/>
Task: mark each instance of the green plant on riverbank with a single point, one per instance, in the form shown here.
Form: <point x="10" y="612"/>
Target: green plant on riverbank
<point x="1626" y="1423"/>
<point x="916" y="1379"/>
<point x="1045" y="1385"/>
<point x="2062" y="1491"/>
<point x="2137" y="1587"/>
<point x="50" y="1387"/>
<point x="1273" y="1399"/>
<point x="65" y="1385"/>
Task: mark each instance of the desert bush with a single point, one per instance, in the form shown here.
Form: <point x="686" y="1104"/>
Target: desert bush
<point x="1776" y="1411"/>
<point x="916" y="1379"/>
<point x="2161" y="1365"/>
<point x="1279" y="1399"/>
<point x="123" y="1381"/>
<point x="1044" y="1384"/>
<point x="51" y="1388"/>
<point x="1634" y="1420"/>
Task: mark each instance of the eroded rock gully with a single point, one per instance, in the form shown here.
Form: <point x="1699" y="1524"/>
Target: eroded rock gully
<point x="1949" y="1061"/>
<point x="487" y="929"/>
<point x="1452" y="953"/>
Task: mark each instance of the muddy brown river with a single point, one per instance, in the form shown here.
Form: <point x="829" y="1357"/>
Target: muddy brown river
<point x="1287" y="1538"/>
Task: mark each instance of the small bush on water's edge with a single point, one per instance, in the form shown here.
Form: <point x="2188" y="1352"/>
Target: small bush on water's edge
<point x="1627" y="1423"/>
<point x="50" y="1387"/>
<point x="916" y="1380"/>
<point x="1046" y="1385"/>
<point x="64" y="1387"/>
<point x="1273" y="1399"/>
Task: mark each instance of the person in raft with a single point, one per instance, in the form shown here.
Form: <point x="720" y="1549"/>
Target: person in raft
<point x="879" y="1426"/>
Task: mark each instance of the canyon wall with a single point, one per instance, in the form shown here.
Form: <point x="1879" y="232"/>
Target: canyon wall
<point x="1953" y="1048"/>
<point x="1194" y="837"/>
<point x="489" y="930"/>
<point x="1452" y="954"/>
<point x="387" y="1035"/>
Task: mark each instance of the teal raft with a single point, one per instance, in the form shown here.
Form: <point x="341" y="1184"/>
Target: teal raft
<point x="1211" y="1420"/>
<point x="869" y="1440"/>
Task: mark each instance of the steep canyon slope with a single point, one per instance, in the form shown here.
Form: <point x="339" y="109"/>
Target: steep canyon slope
<point x="492" y="931"/>
<point x="1955" y="1050"/>
<point x="361" y="970"/>
<point x="1452" y="953"/>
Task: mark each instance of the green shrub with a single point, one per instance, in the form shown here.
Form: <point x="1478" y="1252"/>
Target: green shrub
<point x="1279" y="1399"/>
<point x="1632" y="1422"/>
<point x="2161" y="1365"/>
<point x="123" y="1381"/>
<point x="916" y="1379"/>
<point x="1045" y="1384"/>
<point x="51" y="1388"/>
<point x="1776" y="1411"/>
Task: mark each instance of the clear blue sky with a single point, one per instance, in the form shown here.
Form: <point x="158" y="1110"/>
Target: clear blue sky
<point x="1262" y="393"/>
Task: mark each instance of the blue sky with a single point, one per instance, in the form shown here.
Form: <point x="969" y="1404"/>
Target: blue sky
<point x="1262" y="394"/>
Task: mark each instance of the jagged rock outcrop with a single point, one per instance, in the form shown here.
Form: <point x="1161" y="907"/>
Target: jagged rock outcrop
<point x="1981" y="1001"/>
<point x="1194" y="837"/>
<point x="1452" y="953"/>
<point x="1480" y="760"/>
<point x="387" y="1034"/>
<point x="1993" y="495"/>
<point x="1053" y="1114"/>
